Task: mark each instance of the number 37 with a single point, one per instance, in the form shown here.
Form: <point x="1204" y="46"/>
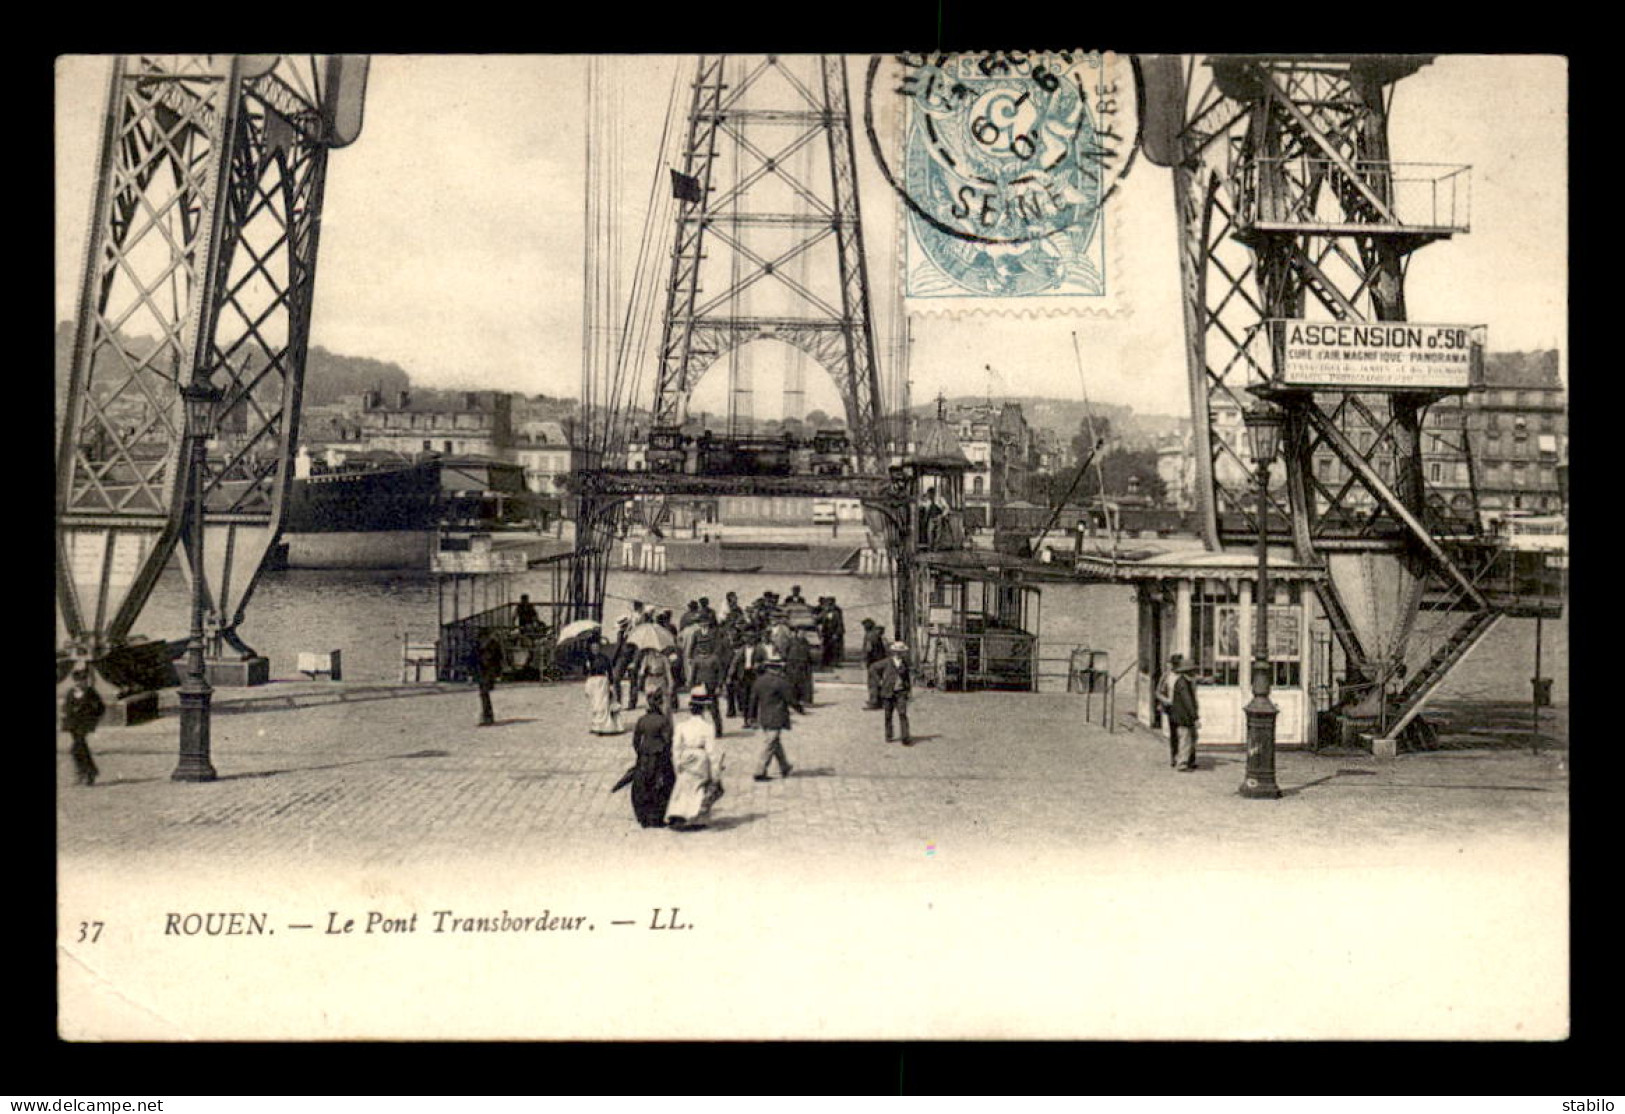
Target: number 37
<point x="89" y="932"/>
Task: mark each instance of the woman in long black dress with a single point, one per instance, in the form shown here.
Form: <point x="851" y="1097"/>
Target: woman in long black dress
<point x="652" y="775"/>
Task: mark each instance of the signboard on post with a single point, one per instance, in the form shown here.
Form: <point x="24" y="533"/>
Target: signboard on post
<point x="1378" y="355"/>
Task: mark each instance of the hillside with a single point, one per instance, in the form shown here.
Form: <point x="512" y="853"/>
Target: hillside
<point x="329" y="376"/>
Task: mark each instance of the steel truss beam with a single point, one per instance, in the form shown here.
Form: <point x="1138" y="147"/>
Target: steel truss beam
<point x="837" y="332"/>
<point x="200" y="264"/>
<point x="1284" y="196"/>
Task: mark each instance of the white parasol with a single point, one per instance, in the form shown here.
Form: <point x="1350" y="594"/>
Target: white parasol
<point x="579" y="628"/>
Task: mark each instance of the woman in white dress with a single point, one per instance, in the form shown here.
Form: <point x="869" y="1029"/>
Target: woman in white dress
<point x="698" y="763"/>
<point x="606" y="711"/>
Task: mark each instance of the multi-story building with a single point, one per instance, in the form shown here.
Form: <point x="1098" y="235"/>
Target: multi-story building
<point x="544" y="450"/>
<point x="454" y="423"/>
<point x="1515" y="427"/>
<point x="1052" y="452"/>
<point x="998" y="443"/>
<point x="334" y="427"/>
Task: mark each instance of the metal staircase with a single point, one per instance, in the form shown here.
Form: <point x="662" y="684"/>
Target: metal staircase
<point x="1419" y="687"/>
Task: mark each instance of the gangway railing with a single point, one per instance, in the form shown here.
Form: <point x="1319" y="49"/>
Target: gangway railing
<point x="1075" y="668"/>
<point x="1317" y="194"/>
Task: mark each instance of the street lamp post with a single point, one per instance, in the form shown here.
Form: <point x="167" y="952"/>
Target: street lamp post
<point x="195" y="691"/>
<point x="1264" y="434"/>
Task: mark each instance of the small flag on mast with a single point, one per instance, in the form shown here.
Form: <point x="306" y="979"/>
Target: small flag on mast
<point x="685" y="188"/>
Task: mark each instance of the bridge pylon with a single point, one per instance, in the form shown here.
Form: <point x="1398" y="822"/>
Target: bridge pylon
<point x="1290" y="209"/>
<point x="769" y="237"/>
<point x="200" y="268"/>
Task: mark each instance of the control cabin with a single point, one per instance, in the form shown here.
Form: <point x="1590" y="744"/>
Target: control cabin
<point x="978" y="628"/>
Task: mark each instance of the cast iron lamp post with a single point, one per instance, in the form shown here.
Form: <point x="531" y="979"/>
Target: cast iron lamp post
<point x="195" y="692"/>
<point x="1264" y="433"/>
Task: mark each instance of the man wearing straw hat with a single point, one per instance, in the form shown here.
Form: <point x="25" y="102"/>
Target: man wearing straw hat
<point x="893" y="683"/>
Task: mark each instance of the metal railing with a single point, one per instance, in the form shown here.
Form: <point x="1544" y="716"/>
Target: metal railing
<point x="1317" y="192"/>
<point x="1082" y="671"/>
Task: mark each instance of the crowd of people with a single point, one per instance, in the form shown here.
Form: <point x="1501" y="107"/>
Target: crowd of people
<point x="753" y="663"/>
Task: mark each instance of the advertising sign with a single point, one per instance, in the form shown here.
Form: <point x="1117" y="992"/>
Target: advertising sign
<point x="1378" y="355"/>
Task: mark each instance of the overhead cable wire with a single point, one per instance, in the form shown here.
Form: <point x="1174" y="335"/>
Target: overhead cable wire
<point x="629" y="357"/>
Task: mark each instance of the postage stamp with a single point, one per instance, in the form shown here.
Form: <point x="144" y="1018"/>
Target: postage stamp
<point x="1006" y="165"/>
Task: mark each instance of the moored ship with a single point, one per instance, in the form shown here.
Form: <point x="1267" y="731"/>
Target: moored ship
<point x="369" y="514"/>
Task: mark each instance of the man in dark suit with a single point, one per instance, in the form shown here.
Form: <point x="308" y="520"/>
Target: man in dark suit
<point x="892" y="680"/>
<point x="772" y="697"/>
<point x="837" y="634"/>
<point x="1165" y="700"/>
<point x="1183" y="712"/>
<point x="874" y="649"/>
<point x="82" y="710"/>
<point x="798" y="671"/>
<point x="487" y="668"/>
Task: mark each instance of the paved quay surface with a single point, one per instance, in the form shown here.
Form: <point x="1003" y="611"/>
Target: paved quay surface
<point x="390" y="773"/>
<point x="1018" y="873"/>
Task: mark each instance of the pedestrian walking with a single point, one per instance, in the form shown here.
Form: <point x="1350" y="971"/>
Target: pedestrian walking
<point x="874" y="649"/>
<point x="893" y="682"/>
<point x="82" y="710"/>
<point x="487" y="669"/>
<point x="698" y="766"/>
<point x="734" y="681"/>
<point x="773" y="699"/>
<point x="706" y="670"/>
<point x="1186" y="715"/>
<point x="652" y="775"/>
<point x="653" y="676"/>
<point x="601" y="700"/>
<point x="798" y="671"/>
<point x="757" y="652"/>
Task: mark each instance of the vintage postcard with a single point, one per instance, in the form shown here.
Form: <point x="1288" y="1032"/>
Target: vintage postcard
<point x="1054" y="545"/>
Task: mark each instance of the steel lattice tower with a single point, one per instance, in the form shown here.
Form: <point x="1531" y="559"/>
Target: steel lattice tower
<point x="767" y="110"/>
<point x="200" y="263"/>
<point x="1290" y="207"/>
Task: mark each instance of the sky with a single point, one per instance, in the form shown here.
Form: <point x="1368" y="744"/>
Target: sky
<point x="452" y="230"/>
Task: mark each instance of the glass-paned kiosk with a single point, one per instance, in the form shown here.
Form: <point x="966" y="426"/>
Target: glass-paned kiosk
<point x="1201" y="606"/>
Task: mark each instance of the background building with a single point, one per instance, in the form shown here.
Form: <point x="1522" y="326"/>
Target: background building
<point x="544" y="450"/>
<point x="1505" y="437"/>
<point x="999" y="445"/>
<point x="460" y="423"/>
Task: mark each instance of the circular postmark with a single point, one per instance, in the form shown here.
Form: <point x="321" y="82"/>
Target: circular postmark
<point x="1006" y="160"/>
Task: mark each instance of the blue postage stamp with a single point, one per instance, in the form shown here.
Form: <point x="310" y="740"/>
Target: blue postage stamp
<point x="1007" y="163"/>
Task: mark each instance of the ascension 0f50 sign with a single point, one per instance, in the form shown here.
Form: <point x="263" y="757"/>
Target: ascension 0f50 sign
<point x="1392" y="355"/>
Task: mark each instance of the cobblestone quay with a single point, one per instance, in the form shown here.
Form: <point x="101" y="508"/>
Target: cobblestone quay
<point x="1017" y="872"/>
